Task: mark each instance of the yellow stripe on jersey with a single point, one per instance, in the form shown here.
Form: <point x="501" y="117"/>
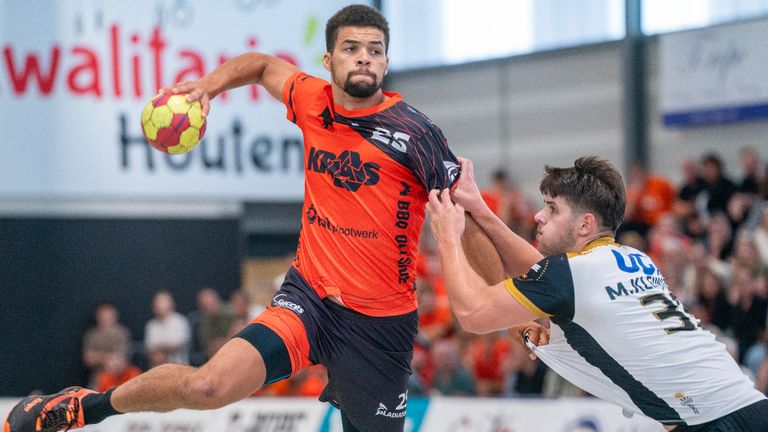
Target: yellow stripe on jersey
<point x="523" y="300"/>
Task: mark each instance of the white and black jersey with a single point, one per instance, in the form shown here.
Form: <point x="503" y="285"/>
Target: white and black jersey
<point x="619" y="334"/>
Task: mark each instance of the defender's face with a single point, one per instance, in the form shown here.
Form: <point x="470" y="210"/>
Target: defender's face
<point x="556" y="228"/>
<point x="358" y="61"/>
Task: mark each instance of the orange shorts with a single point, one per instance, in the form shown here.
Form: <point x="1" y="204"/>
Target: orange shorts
<point x="288" y="326"/>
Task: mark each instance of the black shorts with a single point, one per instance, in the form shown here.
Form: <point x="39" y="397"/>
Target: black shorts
<point x="368" y="358"/>
<point x="751" y="418"/>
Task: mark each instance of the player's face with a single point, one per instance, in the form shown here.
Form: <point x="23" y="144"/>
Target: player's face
<point x="358" y="61"/>
<point x="556" y="228"/>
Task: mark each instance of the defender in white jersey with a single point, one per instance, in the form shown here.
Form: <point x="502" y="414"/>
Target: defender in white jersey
<point x="617" y="331"/>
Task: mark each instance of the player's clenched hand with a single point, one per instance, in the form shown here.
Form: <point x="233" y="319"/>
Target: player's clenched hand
<point x="445" y="218"/>
<point x="466" y="191"/>
<point x="537" y="335"/>
<point x="196" y="90"/>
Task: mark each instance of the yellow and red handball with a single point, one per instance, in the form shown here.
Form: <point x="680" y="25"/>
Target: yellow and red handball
<point x="171" y="124"/>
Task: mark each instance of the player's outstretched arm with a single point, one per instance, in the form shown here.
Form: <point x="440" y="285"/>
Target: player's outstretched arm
<point x="249" y="68"/>
<point x="481" y="253"/>
<point x="479" y="307"/>
<point x="516" y="253"/>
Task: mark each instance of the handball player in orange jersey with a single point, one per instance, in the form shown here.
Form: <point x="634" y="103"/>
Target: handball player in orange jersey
<point x="348" y="301"/>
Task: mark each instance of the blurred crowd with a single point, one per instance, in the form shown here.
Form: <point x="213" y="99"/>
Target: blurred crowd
<point x="708" y="233"/>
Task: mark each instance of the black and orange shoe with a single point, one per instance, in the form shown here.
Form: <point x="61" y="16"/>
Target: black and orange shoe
<point x="61" y="411"/>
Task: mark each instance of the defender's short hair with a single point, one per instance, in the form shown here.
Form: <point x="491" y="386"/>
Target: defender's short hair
<point x="591" y="185"/>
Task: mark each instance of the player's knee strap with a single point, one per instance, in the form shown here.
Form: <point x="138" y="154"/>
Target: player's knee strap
<point x="271" y="348"/>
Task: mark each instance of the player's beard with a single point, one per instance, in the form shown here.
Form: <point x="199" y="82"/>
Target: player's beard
<point x="561" y="244"/>
<point x="362" y="89"/>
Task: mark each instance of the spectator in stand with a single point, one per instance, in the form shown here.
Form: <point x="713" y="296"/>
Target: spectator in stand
<point x="106" y="337"/>
<point x="241" y="306"/>
<point x="420" y="379"/>
<point x="752" y="172"/>
<point x="648" y="197"/>
<point x="668" y="248"/>
<point x="691" y="186"/>
<point x="117" y="370"/>
<point x="489" y="352"/>
<point x="497" y="194"/>
<point x="712" y="300"/>
<point x="435" y="319"/>
<point x="718" y="188"/>
<point x="243" y="310"/>
<point x="524" y="377"/>
<point x="451" y="378"/>
<point x="167" y="335"/>
<point x="719" y="238"/>
<point x="214" y="322"/>
<point x="749" y="309"/>
<point x="745" y="254"/>
<point x="509" y="203"/>
<point x="757" y="354"/>
<point x="760" y="235"/>
<point x="764" y="192"/>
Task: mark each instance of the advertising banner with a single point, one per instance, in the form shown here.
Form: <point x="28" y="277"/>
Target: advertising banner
<point x="531" y="415"/>
<point x="715" y="74"/>
<point x="438" y="414"/>
<point x="75" y="75"/>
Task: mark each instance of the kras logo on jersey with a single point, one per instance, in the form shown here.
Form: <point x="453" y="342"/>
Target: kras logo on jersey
<point x="347" y="169"/>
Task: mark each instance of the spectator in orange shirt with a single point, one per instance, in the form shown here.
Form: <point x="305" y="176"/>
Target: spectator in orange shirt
<point x="648" y="197"/>
<point x="489" y="352"/>
<point x="435" y="318"/>
<point x="117" y="370"/>
<point x="494" y="195"/>
<point x="508" y="203"/>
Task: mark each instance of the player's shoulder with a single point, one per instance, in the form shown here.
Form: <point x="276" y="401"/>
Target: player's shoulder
<point x="550" y="267"/>
<point x="421" y="130"/>
<point x="596" y="253"/>
<point x="304" y="81"/>
<point x="409" y="111"/>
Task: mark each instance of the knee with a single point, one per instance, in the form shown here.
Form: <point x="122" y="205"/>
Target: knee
<point x="204" y="391"/>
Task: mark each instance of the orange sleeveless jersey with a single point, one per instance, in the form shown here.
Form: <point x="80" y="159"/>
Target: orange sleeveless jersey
<point x="367" y="176"/>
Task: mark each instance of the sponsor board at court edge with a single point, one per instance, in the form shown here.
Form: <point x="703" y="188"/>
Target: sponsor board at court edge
<point x="259" y="414"/>
<point x="437" y="414"/>
<point x="75" y="75"/>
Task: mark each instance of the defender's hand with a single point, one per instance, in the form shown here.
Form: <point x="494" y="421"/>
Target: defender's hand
<point x="466" y="191"/>
<point x="445" y="218"/>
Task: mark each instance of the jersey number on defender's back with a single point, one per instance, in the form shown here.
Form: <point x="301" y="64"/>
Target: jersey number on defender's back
<point x="673" y="309"/>
<point x="633" y="264"/>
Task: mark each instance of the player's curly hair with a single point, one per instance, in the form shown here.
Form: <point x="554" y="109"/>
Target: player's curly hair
<point x="355" y="16"/>
<point x="591" y="185"/>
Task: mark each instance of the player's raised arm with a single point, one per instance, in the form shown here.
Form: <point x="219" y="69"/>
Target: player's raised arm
<point x="478" y="306"/>
<point x="516" y="253"/>
<point x="249" y="68"/>
<point x="481" y="252"/>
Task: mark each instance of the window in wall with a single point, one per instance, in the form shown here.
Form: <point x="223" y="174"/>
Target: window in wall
<point x="441" y="32"/>
<point x="661" y="16"/>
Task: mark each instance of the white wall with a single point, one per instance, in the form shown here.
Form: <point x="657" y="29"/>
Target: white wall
<point x="552" y="107"/>
<point x="524" y="112"/>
